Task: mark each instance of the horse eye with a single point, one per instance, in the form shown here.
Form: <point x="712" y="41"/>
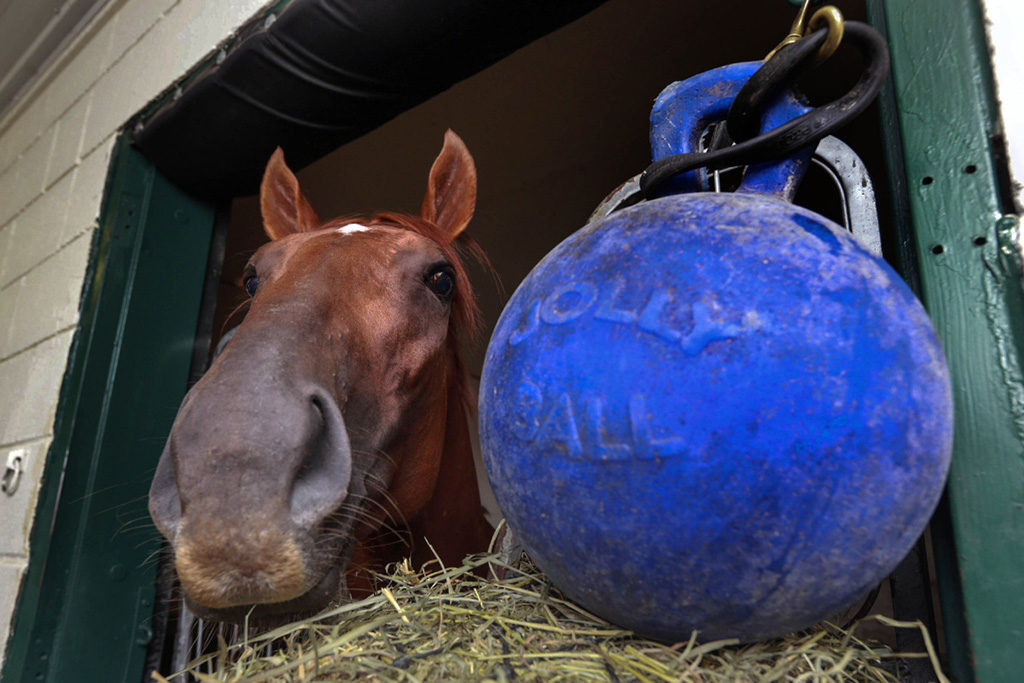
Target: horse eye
<point x="250" y="283"/>
<point x="442" y="283"/>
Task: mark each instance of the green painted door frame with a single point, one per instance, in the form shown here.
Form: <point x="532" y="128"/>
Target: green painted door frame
<point x="970" y="271"/>
<point x="85" y="606"/>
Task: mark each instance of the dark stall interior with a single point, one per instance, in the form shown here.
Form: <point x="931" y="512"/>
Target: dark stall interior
<point x="553" y="129"/>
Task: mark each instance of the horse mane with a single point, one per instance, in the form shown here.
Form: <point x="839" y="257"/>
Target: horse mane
<point x="465" y="323"/>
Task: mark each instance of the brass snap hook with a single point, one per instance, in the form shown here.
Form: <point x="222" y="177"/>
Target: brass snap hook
<point x="796" y="31"/>
<point x="828" y="15"/>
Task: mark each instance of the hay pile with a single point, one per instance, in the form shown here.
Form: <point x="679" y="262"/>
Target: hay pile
<point x="452" y="625"/>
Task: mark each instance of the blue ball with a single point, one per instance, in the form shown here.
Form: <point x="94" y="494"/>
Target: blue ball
<point x="715" y="412"/>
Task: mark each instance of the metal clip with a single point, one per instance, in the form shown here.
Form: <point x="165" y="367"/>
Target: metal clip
<point x="12" y="471"/>
<point x="803" y="25"/>
<point x="716" y="138"/>
<point x="829" y="16"/>
<point x="796" y="31"/>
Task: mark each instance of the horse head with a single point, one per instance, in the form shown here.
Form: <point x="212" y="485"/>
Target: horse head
<point x="335" y="413"/>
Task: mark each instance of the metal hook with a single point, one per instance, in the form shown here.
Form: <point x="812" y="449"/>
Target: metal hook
<point x="796" y="31"/>
<point x="828" y="15"/>
<point x="12" y="471"/>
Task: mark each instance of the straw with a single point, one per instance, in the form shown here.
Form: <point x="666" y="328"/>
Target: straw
<point x="444" y="624"/>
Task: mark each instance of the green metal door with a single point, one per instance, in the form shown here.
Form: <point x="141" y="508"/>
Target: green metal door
<point x="85" y="606"/>
<point x="970" y="272"/>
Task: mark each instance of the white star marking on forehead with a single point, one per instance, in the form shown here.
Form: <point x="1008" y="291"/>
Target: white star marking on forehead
<point x="351" y="228"/>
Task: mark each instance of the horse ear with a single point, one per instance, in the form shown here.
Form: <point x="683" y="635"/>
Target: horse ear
<point x="451" y="187"/>
<point x="285" y="209"/>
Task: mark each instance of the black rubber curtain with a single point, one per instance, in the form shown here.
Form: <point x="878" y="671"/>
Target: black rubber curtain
<point x="324" y="72"/>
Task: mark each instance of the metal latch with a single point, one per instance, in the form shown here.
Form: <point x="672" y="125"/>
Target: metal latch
<point x="12" y="471"/>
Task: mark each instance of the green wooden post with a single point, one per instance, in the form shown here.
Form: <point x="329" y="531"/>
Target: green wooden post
<point x="971" y="284"/>
<point x="85" y="606"/>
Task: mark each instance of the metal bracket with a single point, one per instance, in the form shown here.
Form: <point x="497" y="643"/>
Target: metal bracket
<point x="12" y="471"/>
<point x="835" y="157"/>
<point x="860" y="213"/>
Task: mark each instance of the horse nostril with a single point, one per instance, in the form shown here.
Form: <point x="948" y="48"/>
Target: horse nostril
<point x="321" y="479"/>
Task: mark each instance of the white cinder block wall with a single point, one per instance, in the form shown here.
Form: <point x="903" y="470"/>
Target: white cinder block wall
<point x="55" y="147"/>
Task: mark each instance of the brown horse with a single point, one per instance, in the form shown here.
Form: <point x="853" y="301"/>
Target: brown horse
<point x="335" y="419"/>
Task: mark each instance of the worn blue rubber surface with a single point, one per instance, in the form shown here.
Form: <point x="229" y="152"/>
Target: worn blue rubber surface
<point x="715" y="412"/>
<point x="684" y="109"/>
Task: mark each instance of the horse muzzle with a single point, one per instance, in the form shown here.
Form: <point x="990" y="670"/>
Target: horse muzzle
<point x="331" y="588"/>
<point x="244" y="491"/>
